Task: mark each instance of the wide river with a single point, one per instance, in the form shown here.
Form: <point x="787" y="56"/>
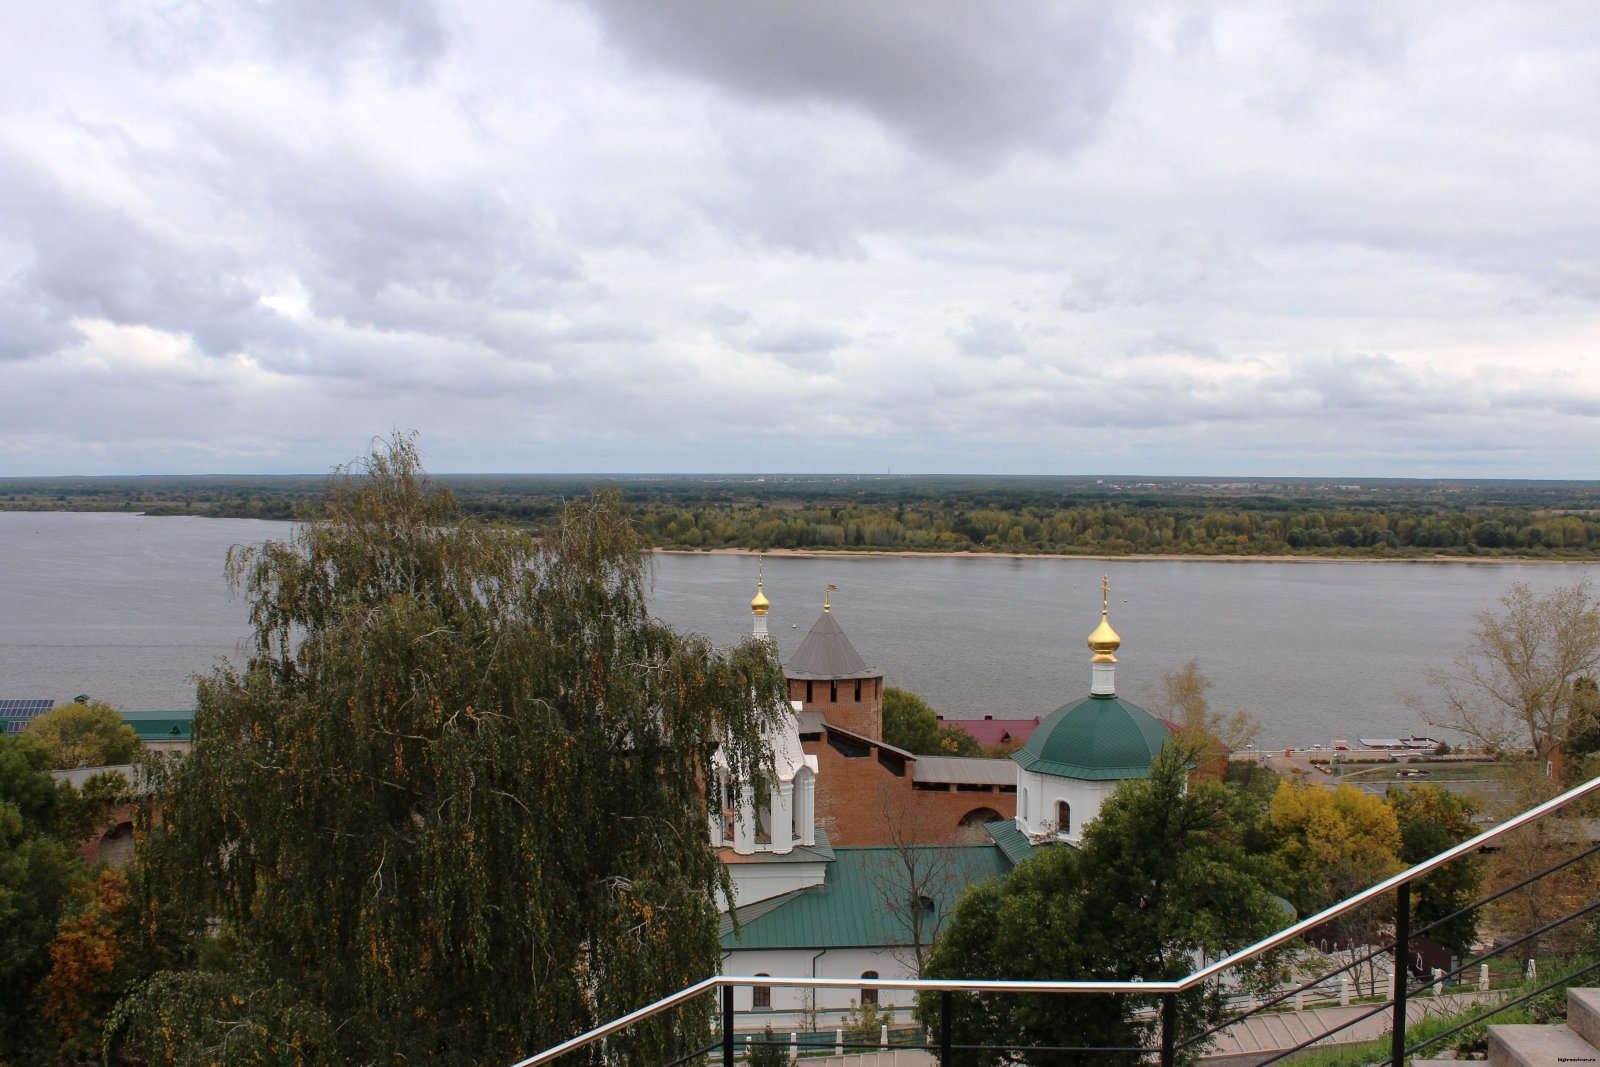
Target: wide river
<point x="128" y="608"/>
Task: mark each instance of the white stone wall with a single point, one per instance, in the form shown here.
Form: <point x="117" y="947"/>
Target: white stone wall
<point x="754" y="880"/>
<point x="1044" y="790"/>
<point x="788" y="1010"/>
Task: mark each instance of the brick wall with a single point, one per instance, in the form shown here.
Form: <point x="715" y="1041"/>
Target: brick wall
<point x="853" y="703"/>
<point x="861" y="800"/>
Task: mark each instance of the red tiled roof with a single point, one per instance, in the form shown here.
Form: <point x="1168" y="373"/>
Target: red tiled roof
<point x="992" y="731"/>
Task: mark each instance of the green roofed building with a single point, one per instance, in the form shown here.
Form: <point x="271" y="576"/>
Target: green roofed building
<point x="1079" y="753"/>
<point x="864" y="921"/>
<point x="162" y="731"/>
<point x="1095" y="739"/>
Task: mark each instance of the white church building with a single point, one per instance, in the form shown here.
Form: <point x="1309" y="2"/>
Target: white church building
<point x="807" y="909"/>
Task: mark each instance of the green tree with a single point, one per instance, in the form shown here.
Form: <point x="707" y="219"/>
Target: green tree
<point x="38" y="870"/>
<point x="87" y="734"/>
<point x="955" y="741"/>
<point x="1255" y="779"/>
<point x="1161" y="877"/>
<point x="909" y="722"/>
<point x="1432" y="820"/>
<point x="1579" y="753"/>
<point x="453" y="807"/>
<point x="771" y="1052"/>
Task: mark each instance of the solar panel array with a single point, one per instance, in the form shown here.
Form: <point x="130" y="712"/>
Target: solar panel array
<point x="16" y="713"/>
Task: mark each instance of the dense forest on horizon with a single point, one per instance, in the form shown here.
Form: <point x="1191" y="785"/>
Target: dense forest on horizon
<point x="1379" y="518"/>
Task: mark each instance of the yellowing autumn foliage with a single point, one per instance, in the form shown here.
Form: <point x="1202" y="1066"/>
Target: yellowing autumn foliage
<point x="1332" y="843"/>
<point x="91" y="734"/>
<point x="84" y="959"/>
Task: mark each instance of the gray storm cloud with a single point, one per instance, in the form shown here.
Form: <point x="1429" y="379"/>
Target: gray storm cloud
<point x="965" y="82"/>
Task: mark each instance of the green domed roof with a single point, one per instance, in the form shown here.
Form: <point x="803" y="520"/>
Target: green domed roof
<point x="1095" y="739"/>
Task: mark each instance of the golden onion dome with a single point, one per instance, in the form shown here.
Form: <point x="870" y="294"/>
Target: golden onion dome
<point x="1104" y="641"/>
<point x="759" y="604"/>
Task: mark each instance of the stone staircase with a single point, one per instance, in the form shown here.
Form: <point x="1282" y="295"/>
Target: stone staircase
<point x="1576" y="1041"/>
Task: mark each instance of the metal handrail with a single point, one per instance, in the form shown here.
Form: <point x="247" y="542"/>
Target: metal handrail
<point x="627" y="1020"/>
<point x="1147" y="989"/>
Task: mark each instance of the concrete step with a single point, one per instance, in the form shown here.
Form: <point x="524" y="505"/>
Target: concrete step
<point x="1532" y="1045"/>
<point x="1583" y="1014"/>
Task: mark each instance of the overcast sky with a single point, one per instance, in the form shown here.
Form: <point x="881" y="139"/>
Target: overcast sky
<point x="838" y="235"/>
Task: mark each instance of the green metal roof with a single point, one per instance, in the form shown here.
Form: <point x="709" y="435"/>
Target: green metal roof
<point x="161" y="725"/>
<point x="1014" y="844"/>
<point x="1094" y="739"/>
<point x="851" y="909"/>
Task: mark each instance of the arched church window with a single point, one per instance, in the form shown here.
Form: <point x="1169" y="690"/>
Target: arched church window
<point x="1063" y="817"/>
<point x="1024" y="803"/>
<point x="869" y="996"/>
<point x="761" y="995"/>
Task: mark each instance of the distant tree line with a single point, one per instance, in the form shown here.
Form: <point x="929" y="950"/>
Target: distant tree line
<point x="953" y="514"/>
<point x="1119" y="529"/>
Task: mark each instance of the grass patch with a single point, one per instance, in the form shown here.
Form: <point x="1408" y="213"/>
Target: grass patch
<point x="1437" y="772"/>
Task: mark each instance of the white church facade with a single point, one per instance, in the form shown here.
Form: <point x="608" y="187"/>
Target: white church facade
<point x="808" y="909"/>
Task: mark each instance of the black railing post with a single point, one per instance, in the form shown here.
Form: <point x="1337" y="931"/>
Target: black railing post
<point x="1169" y="1029"/>
<point x="945" y="1059"/>
<point x="1402" y="957"/>
<point x="727" y="1026"/>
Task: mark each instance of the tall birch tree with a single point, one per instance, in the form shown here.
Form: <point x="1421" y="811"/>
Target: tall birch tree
<point x="452" y="809"/>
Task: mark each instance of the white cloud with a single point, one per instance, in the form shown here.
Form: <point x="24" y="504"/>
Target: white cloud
<point x="574" y="235"/>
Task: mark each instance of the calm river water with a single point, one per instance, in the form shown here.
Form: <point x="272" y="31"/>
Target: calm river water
<point x="127" y="608"/>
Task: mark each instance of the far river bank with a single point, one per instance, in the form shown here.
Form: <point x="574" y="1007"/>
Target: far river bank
<point x="1167" y="557"/>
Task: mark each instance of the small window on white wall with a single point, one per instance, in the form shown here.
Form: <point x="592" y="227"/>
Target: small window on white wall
<point x="760" y="995"/>
<point x="869" y="996"/>
<point x="1063" y="818"/>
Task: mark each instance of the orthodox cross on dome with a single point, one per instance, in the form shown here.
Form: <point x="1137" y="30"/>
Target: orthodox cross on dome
<point x="826" y="605"/>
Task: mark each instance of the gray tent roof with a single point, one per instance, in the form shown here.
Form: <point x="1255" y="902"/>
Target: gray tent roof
<point x="827" y="653"/>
